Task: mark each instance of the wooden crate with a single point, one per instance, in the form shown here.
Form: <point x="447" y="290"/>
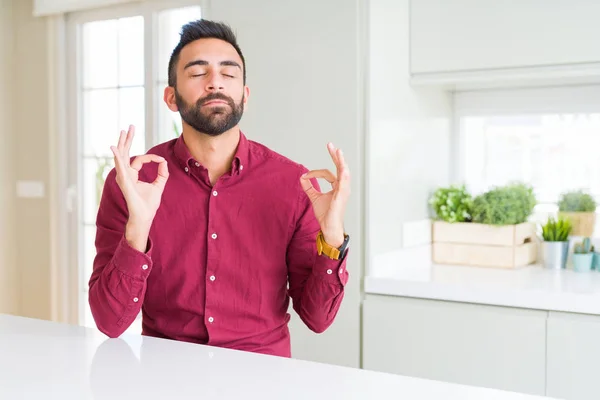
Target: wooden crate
<point x="583" y="222"/>
<point x="510" y="246"/>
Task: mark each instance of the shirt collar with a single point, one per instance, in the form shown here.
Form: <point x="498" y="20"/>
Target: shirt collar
<point x="239" y="161"/>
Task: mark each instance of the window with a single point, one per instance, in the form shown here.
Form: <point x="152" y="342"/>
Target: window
<point x="541" y="137"/>
<point x="120" y="57"/>
<point x="169" y="24"/>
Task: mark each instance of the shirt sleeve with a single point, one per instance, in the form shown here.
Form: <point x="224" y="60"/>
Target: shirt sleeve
<point x="316" y="282"/>
<point x="118" y="282"/>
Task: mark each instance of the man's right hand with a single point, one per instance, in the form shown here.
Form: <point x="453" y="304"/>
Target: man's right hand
<point x="143" y="199"/>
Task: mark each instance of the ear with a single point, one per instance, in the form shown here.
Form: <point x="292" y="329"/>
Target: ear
<point x="246" y="95"/>
<point x="169" y="98"/>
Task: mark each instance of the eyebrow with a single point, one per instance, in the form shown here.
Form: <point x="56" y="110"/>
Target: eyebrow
<point x="204" y="62"/>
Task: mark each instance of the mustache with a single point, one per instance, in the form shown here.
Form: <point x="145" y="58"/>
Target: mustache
<point x="215" y="96"/>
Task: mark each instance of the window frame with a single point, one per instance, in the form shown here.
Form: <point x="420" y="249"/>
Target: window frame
<point x="74" y="117"/>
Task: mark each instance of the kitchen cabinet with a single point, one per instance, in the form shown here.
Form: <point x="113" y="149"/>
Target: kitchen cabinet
<point x="486" y="35"/>
<point x="488" y="346"/>
<point x="573" y="363"/>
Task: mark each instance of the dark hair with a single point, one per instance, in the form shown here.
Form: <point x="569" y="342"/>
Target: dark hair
<point x="202" y="29"/>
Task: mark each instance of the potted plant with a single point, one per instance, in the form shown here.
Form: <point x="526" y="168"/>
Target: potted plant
<point x="556" y="242"/>
<point x="491" y="230"/>
<point x="506" y="205"/>
<point x="452" y="204"/>
<point x="583" y="256"/>
<point x="580" y="208"/>
<point x="595" y="259"/>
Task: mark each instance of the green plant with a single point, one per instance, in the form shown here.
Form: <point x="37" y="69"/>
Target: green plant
<point x="576" y="201"/>
<point x="556" y="230"/>
<point x="176" y="132"/>
<point x="102" y="170"/>
<point x="505" y="205"/>
<point x="584" y="247"/>
<point x="452" y="204"/>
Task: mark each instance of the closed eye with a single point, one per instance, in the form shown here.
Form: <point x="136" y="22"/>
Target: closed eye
<point x="195" y="75"/>
<point x="229" y="76"/>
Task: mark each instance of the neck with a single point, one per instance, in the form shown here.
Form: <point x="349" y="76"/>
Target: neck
<point x="215" y="153"/>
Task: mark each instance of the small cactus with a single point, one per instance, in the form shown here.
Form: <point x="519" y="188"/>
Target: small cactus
<point x="584" y="247"/>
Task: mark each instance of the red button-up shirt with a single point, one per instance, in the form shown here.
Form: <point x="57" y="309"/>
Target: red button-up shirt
<point x="222" y="261"/>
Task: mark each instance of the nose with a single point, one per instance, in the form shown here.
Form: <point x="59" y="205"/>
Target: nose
<point x="215" y="83"/>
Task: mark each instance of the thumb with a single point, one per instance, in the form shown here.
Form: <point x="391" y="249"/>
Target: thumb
<point x="163" y="174"/>
<point x="312" y="193"/>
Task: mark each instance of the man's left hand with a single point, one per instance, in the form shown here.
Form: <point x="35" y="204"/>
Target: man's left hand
<point x="330" y="207"/>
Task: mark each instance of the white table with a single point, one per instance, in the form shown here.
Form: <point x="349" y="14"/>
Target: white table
<point x="45" y="360"/>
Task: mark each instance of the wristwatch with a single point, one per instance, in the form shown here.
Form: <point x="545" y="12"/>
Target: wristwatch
<point x="330" y="251"/>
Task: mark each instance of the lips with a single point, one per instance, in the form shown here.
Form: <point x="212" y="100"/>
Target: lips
<point x="216" y="103"/>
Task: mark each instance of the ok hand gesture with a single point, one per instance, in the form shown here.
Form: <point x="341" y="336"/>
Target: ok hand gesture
<point x="330" y="207"/>
<point x="143" y="199"/>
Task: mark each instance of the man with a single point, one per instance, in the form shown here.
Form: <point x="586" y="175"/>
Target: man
<point x="205" y="232"/>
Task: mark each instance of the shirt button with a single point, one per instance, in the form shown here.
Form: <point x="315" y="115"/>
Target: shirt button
<point x="197" y="164"/>
<point x="215" y="193"/>
<point x="144" y="267"/>
<point x="186" y="169"/>
<point x="341" y="270"/>
<point x="329" y="271"/>
<point x="241" y="167"/>
<point x="212" y="278"/>
<point x="211" y="319"/>
<point x="135" y="299"/>
<point x="214" y="236"/>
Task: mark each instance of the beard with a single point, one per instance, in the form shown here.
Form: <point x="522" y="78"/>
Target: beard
<point x="212" y="121"/>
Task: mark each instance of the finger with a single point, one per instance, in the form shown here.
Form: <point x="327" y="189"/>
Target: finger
<point x="145" y="159"/>
<point x="163" y="174"/>
<point x="343" y="187"/>
<point x="115" y="151"/>
<point x="334" y="152"/>
<point x="331" y="148"/>
<point x="119" y="166"/>
<point x="343" y="168"/>
<point x="122" y="139"/>
<point x="341" y="159"/>
<point x="129" y="140"/>
<point x="320" y="173"/>
<point x="312" y="193"/>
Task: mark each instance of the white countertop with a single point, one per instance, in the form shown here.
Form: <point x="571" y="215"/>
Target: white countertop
<point x="44" y="360"/>
<point x="410" y="273"/>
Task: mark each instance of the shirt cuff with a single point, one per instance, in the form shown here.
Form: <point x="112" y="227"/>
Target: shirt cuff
<point x="132" y="262"/>
<point x="332" y="271"/>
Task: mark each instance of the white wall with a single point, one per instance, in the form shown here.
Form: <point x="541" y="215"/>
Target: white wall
<point x="9" y="282"/>
<point x="24" y="155"/>
<point x="304" y="73"/>
<point x="409" y="131"/>
<point x="32" y="159"/>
